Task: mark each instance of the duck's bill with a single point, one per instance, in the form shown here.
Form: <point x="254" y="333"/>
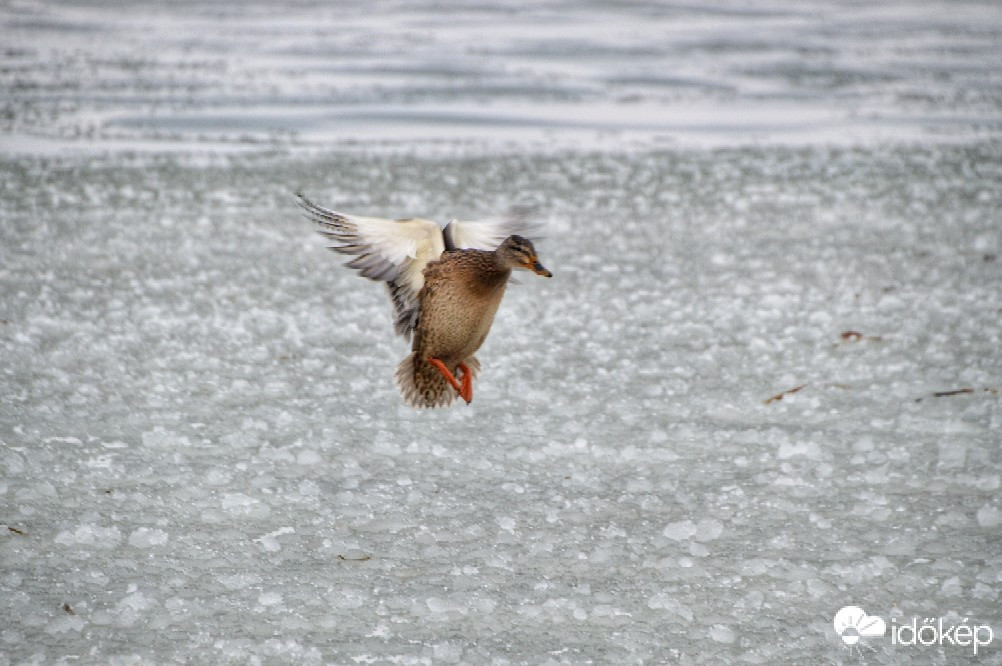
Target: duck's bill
<point x="538" y="269"/>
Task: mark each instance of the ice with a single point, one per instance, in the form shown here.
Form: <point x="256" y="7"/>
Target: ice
<point x="145" y="537"/>
<point x="989" y="516"/>
<point x="708" y="530"/>
<point x="90" y="535"/>
<point x="670" y="605"/>
<point x="160" y="437"/>
<point x="763" y="384"/>
<point x="722" y="634"/>
<point x="270" y="599"/>
<point x="680" y="531"/>
<point x="65" y="624"/>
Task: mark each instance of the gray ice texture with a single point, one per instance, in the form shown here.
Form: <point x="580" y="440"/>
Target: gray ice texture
<point x="763" y="384"/>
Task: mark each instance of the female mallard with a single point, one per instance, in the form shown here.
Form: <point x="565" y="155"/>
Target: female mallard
<point x="446" y="285"/>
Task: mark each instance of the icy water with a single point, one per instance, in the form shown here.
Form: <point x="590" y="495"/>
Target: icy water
<point x="763" y="384"/>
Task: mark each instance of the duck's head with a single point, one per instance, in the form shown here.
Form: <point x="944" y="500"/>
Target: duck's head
<point x="518" y="252"/>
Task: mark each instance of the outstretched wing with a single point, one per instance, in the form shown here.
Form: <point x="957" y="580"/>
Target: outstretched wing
<point x="488" y="234"/>
<point x="391" y="251"/>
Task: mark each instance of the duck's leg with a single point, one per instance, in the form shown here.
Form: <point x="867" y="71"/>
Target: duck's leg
<point x="447" y="374"/>
<point x="466" y="390"/>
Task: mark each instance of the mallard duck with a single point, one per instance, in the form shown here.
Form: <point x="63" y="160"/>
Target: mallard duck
<point x="446" y="285"/>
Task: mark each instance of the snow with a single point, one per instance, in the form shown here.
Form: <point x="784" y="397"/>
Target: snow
<point x="989" y="516"/>
<point x="763" y="384"/>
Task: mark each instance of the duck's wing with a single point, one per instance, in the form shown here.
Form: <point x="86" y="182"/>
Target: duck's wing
<point x="390" y="251"/>
<point x="489" y="234"/>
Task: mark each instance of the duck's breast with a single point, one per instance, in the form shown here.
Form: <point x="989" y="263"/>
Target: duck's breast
<point x="458" y="306"/>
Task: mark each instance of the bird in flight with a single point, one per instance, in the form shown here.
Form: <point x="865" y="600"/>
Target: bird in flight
<point x="446" y="285"/>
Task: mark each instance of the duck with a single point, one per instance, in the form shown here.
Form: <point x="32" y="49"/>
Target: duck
<point x="446" y="285"/>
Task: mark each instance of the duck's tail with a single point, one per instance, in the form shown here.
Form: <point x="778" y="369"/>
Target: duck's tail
<point x="422" y="385"/>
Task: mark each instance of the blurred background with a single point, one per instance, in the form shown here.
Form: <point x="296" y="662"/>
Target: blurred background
<point x="320" y="75"/>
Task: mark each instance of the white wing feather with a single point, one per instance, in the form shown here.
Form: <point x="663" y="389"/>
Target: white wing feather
<point x="393" y="251"/>
<point x="486" y="234"/>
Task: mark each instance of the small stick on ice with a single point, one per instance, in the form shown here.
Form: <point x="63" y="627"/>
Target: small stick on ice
<point x="963" y="391"/>
<point x="780" y="396"/>
<point x="946" y="394"/>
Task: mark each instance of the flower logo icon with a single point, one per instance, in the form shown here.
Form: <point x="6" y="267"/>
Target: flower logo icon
<point x="852" y="623"/>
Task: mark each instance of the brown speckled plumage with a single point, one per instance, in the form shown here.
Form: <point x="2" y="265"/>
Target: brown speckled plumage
<point x="446" y="288"/>
<point x="461" y="294"/>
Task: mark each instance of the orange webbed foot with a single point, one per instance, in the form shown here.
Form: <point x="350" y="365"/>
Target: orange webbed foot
<point x="464" y="389"/>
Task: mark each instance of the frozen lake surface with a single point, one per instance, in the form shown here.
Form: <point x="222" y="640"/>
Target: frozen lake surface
<point x="763" y="384"/>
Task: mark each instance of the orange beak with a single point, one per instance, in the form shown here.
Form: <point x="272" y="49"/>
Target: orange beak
<point x="538" y="268"/>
